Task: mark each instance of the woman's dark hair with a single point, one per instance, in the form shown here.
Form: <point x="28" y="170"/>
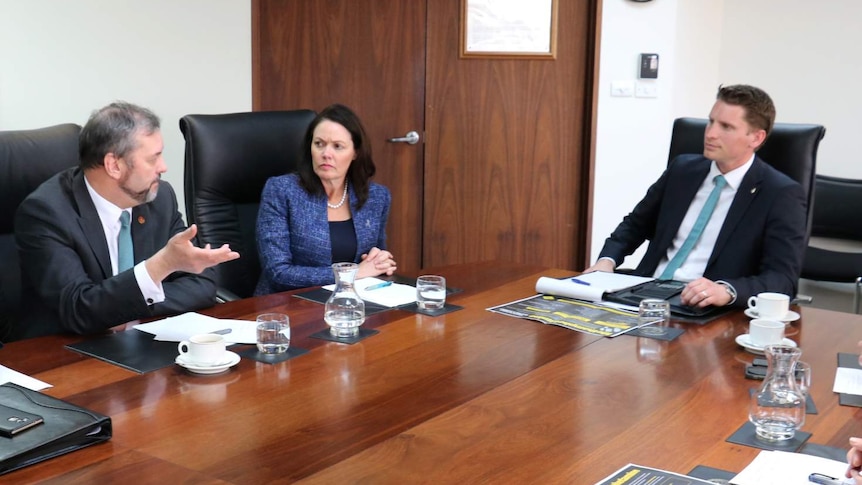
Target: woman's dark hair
<point x="361" y="169"/>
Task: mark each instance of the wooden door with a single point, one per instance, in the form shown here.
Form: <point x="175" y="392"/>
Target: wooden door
<point x="368" y="55"/>
<point x="506" y="153"/>
<point x="502" y="171"/>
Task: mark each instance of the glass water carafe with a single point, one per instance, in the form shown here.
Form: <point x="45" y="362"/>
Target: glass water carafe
<point x="344" y="311"/>
<point x="777" y="409"/>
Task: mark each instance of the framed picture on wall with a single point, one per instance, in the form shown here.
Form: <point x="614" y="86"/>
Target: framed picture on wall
<point x="509" y="29"/>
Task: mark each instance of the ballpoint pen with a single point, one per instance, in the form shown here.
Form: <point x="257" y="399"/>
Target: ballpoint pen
<point x="378" y="286"/>
<point x="824" y="479"/>
<point x="580" y="282"/>
<point x="224" y="331"/>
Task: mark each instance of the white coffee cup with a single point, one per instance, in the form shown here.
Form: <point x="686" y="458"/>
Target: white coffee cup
<point x="770" y="306"/>
<point x="763" y="332"/>
<point x="205" y="348"/>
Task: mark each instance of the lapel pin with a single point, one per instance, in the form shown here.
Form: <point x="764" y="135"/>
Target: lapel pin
<point x="141" y="220"/>
<point x="754" y="190"/>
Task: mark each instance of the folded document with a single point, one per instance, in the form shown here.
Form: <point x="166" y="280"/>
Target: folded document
<point x="588" y="286"/>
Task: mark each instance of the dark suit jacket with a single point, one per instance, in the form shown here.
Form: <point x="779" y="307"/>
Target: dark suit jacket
<point x="293" y="238"/>
<point x="760" y="245"/>
<point x="66" y="269"/>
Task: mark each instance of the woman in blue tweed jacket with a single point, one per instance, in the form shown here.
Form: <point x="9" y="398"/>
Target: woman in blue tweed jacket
<point x="329" y="211"/>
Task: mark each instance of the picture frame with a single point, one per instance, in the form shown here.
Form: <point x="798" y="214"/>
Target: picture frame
<point x="509" y="29"/>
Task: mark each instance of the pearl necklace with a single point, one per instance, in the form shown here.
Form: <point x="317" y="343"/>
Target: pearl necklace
<point x="343" y="198"/>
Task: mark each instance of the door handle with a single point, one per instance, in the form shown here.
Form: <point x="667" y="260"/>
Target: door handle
<point x="411" y="138"/>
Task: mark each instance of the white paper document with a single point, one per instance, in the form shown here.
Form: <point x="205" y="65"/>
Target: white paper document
<point x="588" y="286"/>
<point x="785" y="468"/>
<point x="391" y="295"/>
<point x="181" y="327"/>
<point x="848" y="381"/>
<point x="23" y="380"/>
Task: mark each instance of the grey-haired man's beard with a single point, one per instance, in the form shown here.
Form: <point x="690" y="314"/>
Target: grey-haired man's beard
<point x="142" y="196"/>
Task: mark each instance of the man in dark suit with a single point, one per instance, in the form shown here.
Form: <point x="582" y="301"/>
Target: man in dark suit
<point x="752" y="237"/>
<point x="82" y="271"/>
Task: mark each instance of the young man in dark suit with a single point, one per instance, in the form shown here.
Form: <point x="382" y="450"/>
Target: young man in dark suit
<point x="103" y="244"/>
<point x="750" y="239"/>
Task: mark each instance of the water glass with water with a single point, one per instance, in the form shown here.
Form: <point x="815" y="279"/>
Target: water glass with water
<point x="431" y="292"/>
<point x="273" y="333"/>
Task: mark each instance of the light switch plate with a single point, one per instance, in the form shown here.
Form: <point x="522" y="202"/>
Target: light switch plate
<point x="622" y="88"/>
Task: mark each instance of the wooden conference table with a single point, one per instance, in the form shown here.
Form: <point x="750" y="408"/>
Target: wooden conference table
<point x="468" y="397"/>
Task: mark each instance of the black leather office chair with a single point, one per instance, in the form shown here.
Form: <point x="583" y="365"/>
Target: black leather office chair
<point x="228" y="159"/>
<point x="834" y="251"/>
<point x="27" y="158"/>
<point x="791" y="148"/>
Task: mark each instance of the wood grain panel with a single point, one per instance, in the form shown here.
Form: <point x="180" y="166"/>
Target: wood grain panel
<point x="506" y="153"/>
<point x="369" y="55"/>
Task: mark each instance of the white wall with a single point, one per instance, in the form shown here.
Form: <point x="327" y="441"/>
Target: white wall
<point x="801" y="52"/>
<point x="633" y="134"/>
<point x="805" y="57"/>
<point x="60" y="60"/>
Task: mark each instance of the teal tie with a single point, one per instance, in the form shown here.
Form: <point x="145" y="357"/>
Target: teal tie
<point x="696" y="230"/>
<point x="125" y="252"/>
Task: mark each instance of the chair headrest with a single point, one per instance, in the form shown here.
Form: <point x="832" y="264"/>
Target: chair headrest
<point x="28" y="158"/>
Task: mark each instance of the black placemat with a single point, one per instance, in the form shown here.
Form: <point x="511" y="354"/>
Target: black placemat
<point x="714" y="475"/>
<point x="447" y="308"/>
<point x="823" y="451"/>
<point x="131" y="349"/>
<point x="259" y="356"/>
<point x="851" y="361"/>
<point x="320" y="295"/>
<point x="363" y="334"/>
<point x="747" y="436"/>
<point x="669" y="334"/>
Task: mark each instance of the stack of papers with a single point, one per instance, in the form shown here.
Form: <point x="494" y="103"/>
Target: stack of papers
<point x="847" y="381"/>
<point x="391" y="295"/>
<point x="23" y="380"/>
<point x="784" y="468"/>
<point x="589" y="286"/>
<point x="181" y="327"/>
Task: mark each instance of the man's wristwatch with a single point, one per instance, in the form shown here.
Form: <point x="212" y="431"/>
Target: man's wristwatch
<point x="730" y="291"/>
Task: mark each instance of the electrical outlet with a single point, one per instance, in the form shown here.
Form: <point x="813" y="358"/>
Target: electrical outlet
<point x="646" y="90"/>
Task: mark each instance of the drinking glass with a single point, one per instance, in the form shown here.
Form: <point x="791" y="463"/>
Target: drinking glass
<point x="653" y="310"/>
<point x="430" y="292"/>
<point x="273" y="333"/>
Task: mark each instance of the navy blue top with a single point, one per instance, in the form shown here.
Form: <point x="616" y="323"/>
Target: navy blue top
<point x="343" y="239"/>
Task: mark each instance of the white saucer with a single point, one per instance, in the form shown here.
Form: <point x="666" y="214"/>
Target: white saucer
<point x="230" y="359"/>
<point x="790" y="316"/>
<point x="744" y="340"/>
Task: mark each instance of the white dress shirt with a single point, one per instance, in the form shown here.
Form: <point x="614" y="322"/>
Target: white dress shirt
<point x="695" y="264"/>
<point x="109" y="215"/>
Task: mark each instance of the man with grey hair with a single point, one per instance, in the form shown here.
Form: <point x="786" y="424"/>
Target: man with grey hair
<point x="104" y="244"/>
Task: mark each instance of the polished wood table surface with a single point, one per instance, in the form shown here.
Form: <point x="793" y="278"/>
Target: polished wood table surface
<point x="468" y="397"/>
